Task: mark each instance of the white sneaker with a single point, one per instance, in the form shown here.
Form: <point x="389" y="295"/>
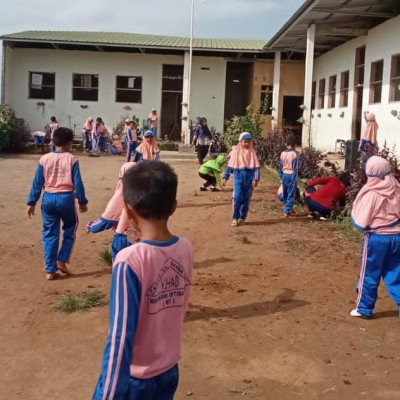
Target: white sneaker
<point x="355" y="313"/>
<point x="234" y="223"/>
<point x="241" y="222"/>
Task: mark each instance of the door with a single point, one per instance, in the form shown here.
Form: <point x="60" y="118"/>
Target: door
<point x="291" y="114"/>
<point x="238" y="88"/>
<point x="358" y="92"/>
<point x="171" y="101"/>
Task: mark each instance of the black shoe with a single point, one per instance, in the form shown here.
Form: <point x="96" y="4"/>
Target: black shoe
<point x="203" y="189"/>
<point x="214" y="189"/>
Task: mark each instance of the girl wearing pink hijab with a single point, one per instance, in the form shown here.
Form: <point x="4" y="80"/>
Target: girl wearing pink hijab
<point x="148" y="150"/>
<point x="86" y="132"/>
<point x="244" y="165"/>
<point x="369" y="132"/>
<point x="376" y="212"/>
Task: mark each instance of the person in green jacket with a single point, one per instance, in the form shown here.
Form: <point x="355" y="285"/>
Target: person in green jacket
<point x="210" y="172"/>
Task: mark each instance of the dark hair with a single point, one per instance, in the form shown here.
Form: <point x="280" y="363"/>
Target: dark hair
<point x="290" y="141"/>
<point x="149" y="187"/>
<point x="99" y="119"/>
<point x="344" y="177"/>
<point x="62" y="137"/>
<point x="53" y="119"/>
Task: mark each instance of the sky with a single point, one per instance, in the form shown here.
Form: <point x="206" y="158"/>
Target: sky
<point x="242" y="19"/>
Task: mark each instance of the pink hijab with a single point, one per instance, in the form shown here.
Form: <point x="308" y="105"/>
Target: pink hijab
<point x="88" y="124"/>
<point x="116" y="204"/>
<point x="240" y="157"/>
<point x="148" y="150"/>
<point x="370" y="129"/>
<point x="377" y="205"/>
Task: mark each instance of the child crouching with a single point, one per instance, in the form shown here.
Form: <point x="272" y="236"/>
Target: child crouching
<point x="211" y="173"/>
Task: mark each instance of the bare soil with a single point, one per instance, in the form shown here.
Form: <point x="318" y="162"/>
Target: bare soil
<point x="267" y="319"/>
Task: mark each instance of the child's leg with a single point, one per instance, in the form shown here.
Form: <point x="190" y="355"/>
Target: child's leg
<point x="160" y="387"/>
<point x="51" y="232"/>
<point x="129" y="152"/>
<point x="373" y="254"/>
<point x="247" y="192"/>
<point x="70" y="223"/>
<point x="288" y="192"/>
<point x="391" y="272"/>
<point x="237" y="195"/>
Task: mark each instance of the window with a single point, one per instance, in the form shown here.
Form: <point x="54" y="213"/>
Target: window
<point x="85" y="87"/>
<point x="128" y="89"/>
<point x="332" y="92"/>
<point x="321" y="94"/>
<point x="313" y="94"/>
<point x="344" y="89"/>
<point x="359" y="67"/>
<point x="172" y="79"/>
<point x="266" y="99"/>
<point x="375" y="88"/>
<point x="395" y="79"/>
<point x="42" y="85"/>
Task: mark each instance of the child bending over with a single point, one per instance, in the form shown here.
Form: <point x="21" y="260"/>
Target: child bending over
<point x="58" y="173"/>
<point x="149" y="293"/>
<point x="210" y="171"/>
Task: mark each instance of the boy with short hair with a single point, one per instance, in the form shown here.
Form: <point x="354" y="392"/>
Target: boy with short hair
<point x="58" y="173"/>
<point x="288" y="172"/>
<point x="149" y="293"/>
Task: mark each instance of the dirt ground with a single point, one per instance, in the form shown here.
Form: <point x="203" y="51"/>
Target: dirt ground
<point x="267" y="319"/>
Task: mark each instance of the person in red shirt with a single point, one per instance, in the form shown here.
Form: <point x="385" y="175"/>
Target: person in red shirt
<point x="321" y="202"/>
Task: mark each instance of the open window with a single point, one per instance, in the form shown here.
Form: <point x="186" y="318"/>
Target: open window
<point x="42" y="85"/>
<point x="266" y="99"/>
<point x="344" y="89"/>
<point x="375" y="88"/>
<point x="332" y="92"/>
<point x="321" y="94"/>
<point x="128" y="89"/>
<point x="85" y="87"/>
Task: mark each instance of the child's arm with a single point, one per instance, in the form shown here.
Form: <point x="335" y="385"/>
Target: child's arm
<point x="125" y="295"/>
<point x="227" y="173"/>
<point x="319" y="181"/>
<point x="36" y="190"/>
<point x="138" y="156"/>
<point x="79" y="188"/>
<point x="295" y="166"/>
<point x="256" y="177"/>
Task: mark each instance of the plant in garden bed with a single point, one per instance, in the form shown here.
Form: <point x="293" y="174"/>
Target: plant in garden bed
<point x="80" y="302"/>
<point x="251" y="122"/>
<point x="14" y="133"/>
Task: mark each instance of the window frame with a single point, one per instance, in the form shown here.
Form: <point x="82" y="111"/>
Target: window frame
<point x="394" y="80"/>
<point x="82" y="87"/>
<point x="321" y="94"/>
<point x="332" y="91"/>
<point x="30" y="85"/>
<point x="313" y="95"/>
<point x="129" y="89"/>
<point x="373" y="84"/>
<point x="344" y="91"/>
<point x="269" y="90"/>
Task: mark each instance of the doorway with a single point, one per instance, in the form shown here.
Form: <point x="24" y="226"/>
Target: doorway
<point x="291" y="114"/>
<point x="238" y="88"/>
<point x="358" y="92"/>
<point x="171" y="101"/>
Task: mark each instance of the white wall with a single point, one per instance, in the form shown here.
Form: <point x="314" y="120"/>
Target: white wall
<point x="381" y="43"/>
<point x="325" y="130"/>
<point x="208" y="90"/>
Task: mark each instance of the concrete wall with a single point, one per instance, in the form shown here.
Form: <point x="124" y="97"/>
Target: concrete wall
<point x="381" y="43"/>
<point x="208" y="90"/>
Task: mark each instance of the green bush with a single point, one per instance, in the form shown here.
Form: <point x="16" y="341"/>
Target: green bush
<point x="14" y="133"/>
<point x="251" y="122"/>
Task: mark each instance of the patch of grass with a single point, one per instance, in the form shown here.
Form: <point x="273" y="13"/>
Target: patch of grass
<point x="345" y="225"/>
<point x="245" y="240"/>
<point x="105" y="256"/>
<point x="79" y="302"/>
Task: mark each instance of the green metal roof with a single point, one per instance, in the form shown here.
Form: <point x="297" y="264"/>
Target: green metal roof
<point x="136" y="40"/>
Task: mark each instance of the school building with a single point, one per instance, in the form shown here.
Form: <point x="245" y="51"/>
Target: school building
<point x="331" y="61"/>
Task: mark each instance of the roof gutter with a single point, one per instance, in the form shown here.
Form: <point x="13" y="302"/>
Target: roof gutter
<point x="300" y="13"/>
<point x="183" y="48"/>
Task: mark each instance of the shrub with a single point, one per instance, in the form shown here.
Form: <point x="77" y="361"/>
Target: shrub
<point x="309" y="163"/>
<point x="14" y="133"/>
<point x="251" y="122"/>
<point x="119" y="128"/>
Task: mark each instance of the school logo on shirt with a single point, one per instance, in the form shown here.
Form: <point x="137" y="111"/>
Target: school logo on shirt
<point x="169" y="289"/>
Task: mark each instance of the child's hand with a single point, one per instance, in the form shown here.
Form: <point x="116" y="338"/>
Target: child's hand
<point x="82" y="208"/>
<point x="254" y="184"/>
<point x="30" y="211"/>
<point x="223" y="182"/>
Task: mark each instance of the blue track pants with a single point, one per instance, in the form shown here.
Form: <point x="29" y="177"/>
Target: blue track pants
<point x="57" y="207"/>
<point x="102" y="143"/>
<point x="118" y="243"/>
<point x="380" y="258"/>
<point x="130" y="149"/>
<point x="289" y="190"/>
<point x="242" y="190"/>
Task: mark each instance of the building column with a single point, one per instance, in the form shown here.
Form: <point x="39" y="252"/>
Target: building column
<point x="306" y="134"/>
<point x="185" y="131"/>
<point x="276" y="90"/>
<point x="3" y="74"/>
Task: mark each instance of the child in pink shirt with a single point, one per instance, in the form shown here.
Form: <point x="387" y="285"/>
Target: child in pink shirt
<point x="59" y="175"/>
<point x="149" y="293"/>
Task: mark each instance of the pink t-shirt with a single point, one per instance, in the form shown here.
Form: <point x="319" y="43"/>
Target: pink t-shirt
<point x="287" y="158"/>
<point x="165" y="276"/>
<point x="57" y="172"/>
